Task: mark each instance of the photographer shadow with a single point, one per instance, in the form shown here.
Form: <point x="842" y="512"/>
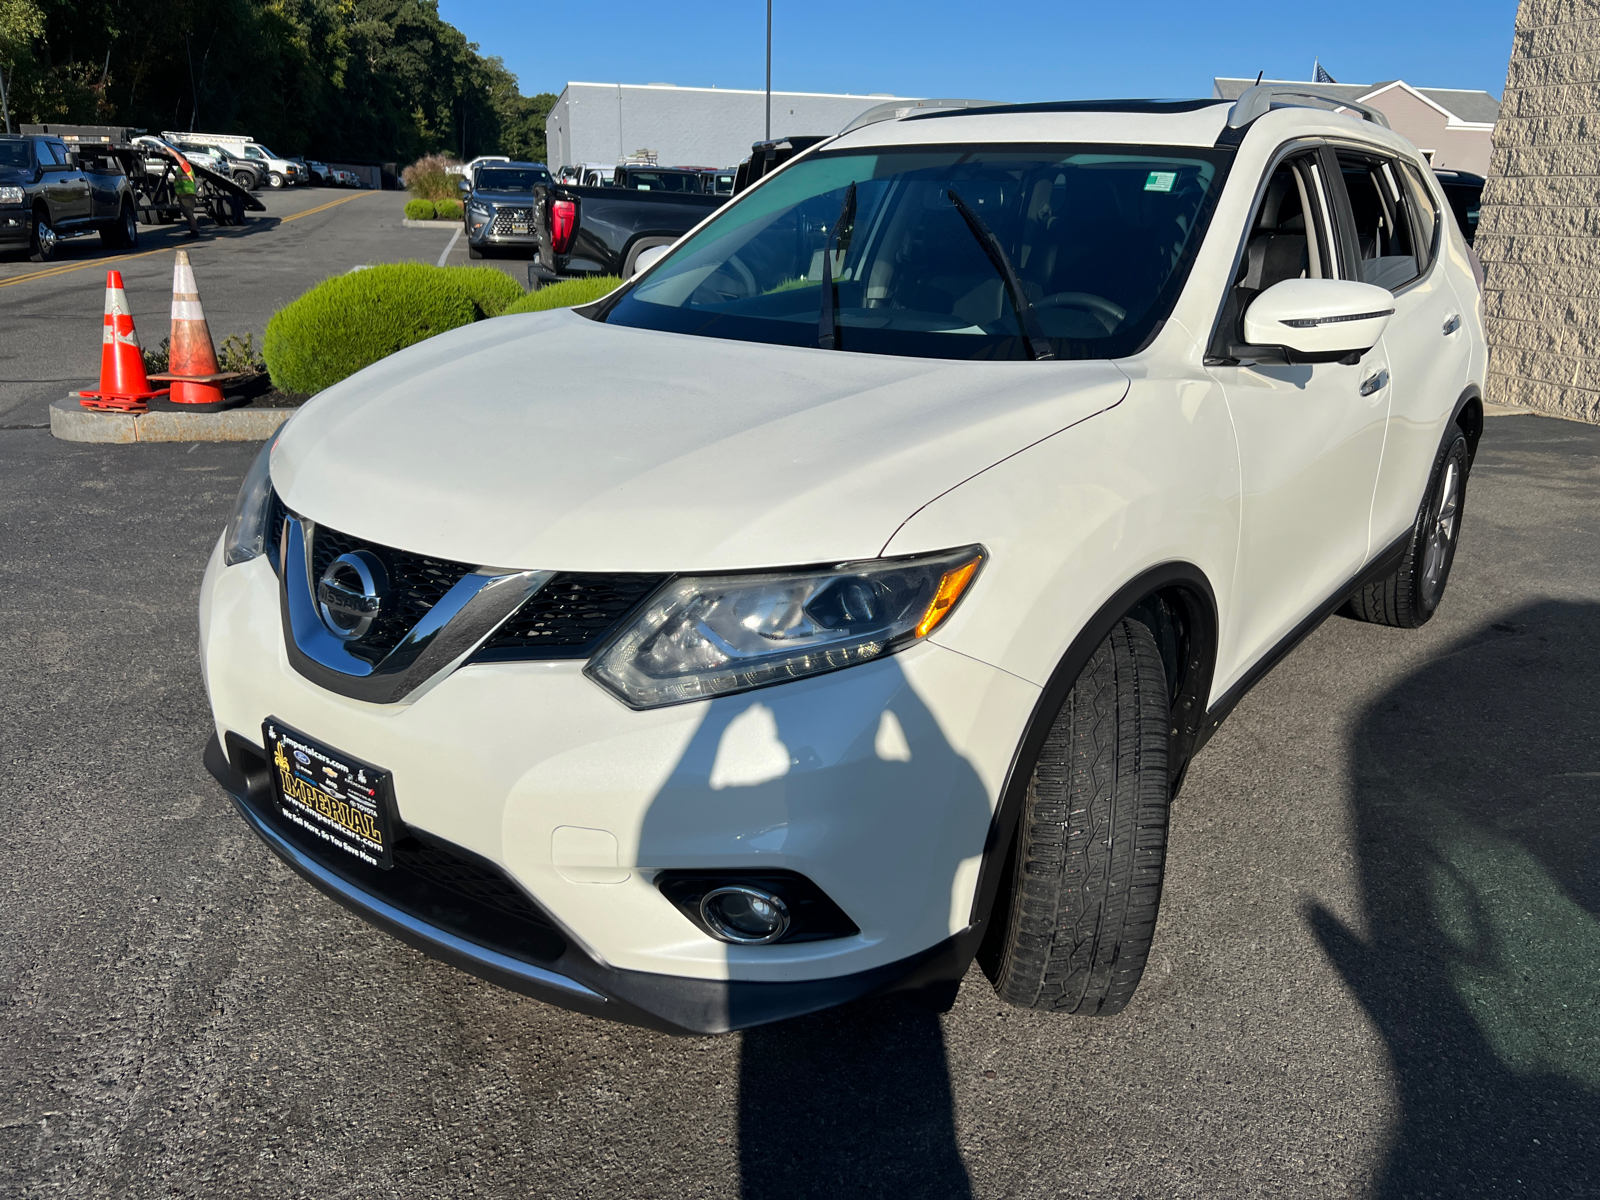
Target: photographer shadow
<point x="1477" y="803"/>
<point x="850" y="778"/>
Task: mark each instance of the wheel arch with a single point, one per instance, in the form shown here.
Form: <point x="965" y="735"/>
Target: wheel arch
<point x="1176" y="601"/>
<point x="1468" y="417"/>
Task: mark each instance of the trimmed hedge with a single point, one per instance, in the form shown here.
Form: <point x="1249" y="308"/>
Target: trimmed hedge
<point x="447" y="210"/>
<point x="351" y="321"/>
<point x="419" y="210"/>
<point x="491" y="291"/>
<point x="569" y="293"/>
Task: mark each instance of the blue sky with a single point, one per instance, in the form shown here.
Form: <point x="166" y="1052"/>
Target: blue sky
<point x="1014" y="50"/>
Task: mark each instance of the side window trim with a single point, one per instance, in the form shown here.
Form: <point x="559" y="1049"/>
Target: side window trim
<point x="1216" y="344"/>
<point x="1345" y="216"/>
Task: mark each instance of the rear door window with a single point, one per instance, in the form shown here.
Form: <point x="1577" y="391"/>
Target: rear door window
<point x="1386" y="229"/>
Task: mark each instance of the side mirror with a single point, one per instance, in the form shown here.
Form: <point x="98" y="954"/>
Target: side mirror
<point x="648" y="258"/>
<point x="463" y="185"/>
<point x="1315" y="321"/>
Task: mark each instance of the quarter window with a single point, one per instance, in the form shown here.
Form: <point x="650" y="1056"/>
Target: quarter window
<point x="1424" y="212"/>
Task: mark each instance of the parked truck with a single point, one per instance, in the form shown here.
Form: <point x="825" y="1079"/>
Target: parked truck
<point x="603" y="230"/>
<point x="49" y="191"/>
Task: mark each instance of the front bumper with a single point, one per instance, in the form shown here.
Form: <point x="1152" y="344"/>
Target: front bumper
<point x="13" y="225"/>
<point x="877" y="783"/>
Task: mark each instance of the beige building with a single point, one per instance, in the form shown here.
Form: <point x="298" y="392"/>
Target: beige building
<point x="1452" y="126"/>
<point x="1539" y="233"/>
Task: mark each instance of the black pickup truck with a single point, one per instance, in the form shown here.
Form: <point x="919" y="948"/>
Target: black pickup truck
<point x="603" y="230"/>
<point x="48" y="192"/>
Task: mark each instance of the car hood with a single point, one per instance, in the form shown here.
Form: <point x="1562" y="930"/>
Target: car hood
<point x="12" y="176"/>
<point x="547" y="440"/>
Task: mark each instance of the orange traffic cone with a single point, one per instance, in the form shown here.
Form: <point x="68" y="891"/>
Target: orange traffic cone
<point x="123" y="386"/>
<point x="192" y="365"/>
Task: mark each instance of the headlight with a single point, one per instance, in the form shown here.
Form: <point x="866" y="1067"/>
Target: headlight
<point x="10" y="195"/>
<point x="710" y="635"/>
<point x="478" y="209"/>
<point x="246" y="537"/>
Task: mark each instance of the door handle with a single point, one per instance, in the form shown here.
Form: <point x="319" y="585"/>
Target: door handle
<point x="1375" y="383"/>
<point x="1452" y="323"/>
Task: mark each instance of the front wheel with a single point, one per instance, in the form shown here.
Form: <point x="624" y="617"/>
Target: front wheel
<point x="1409" y="598"/>
<point x="42" y="238"/>
<point x="1091" y="844"/>
<point x="474" y="251"/>
<point x="274" y="180"/>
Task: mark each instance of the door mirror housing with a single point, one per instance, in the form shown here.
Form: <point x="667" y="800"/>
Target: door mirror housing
<point x="464" y="185"/>
<point x="648" y="258"/>
<point x="1315" y="321"/>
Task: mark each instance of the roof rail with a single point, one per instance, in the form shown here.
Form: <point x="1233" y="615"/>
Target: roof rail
<point x="894" y="110"/>
<point x="1257" y="101"/>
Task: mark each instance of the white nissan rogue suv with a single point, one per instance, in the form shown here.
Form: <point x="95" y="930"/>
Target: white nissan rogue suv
<point x="845" y="596"/>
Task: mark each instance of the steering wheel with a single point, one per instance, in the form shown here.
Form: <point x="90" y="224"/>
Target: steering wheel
<point x="1110" y="315"/>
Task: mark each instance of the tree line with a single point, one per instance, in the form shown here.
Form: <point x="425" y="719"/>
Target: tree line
<point x="384" y="80"/>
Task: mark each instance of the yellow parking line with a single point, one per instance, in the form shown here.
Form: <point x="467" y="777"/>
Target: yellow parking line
<point x="324" y="207"/>
<point x="65" y="268"/>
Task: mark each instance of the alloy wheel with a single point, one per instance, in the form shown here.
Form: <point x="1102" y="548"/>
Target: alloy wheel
<point x="1441" y="533"/>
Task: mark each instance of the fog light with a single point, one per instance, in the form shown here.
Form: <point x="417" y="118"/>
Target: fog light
<point x="744" y="915"/>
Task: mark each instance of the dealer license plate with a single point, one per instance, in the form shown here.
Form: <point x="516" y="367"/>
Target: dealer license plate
<point x="515" y="228"/>
<point x="341" y="800"/>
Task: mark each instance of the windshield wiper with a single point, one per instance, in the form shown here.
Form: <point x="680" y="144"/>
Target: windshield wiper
<point x="827" y="320"/>
<point x="1032" y="339"/>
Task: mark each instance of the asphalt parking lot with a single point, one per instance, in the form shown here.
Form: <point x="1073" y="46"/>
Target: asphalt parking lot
<point x="52" y="313"/>
<point x="1375" y="972"/>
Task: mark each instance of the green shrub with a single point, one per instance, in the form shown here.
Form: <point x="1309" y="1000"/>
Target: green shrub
<point x="351" y="321"/>
<point x="569" y="293"/>
<point x="419" y="210"/>
<point x="447" y="210"/>
<point x="430" y="179"/>
<point x="490" y="290"/>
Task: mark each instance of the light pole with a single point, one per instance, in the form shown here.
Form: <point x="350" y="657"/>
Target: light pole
<point x="769" y="70"/>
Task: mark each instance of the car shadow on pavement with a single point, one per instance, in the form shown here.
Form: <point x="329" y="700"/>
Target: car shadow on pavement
<point x="1477" y="806"/>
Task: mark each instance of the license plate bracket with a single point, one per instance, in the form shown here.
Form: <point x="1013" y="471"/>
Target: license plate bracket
<point x="331" y="796"/>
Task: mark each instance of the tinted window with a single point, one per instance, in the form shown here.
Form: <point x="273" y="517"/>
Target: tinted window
<point x="1424" y="214"/>
<point x="663" y="181"/>
<point x="15" y="154"/>
<point x="1101" y="238"/>
<point x="502" y="179"/>
<point x="1464" y="200"/>
<point x="1382" y="211"/>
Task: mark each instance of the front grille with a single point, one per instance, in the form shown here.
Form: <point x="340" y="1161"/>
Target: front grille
<point x="416" y="584"/>
<point x="569" y="617"/>
<point x="504" y="217"/>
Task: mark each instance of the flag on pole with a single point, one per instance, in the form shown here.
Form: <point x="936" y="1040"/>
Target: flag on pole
<point x="1320" y="74"/>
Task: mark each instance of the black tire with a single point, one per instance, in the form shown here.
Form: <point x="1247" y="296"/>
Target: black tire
<point x="1091" y="845"/>
<point x="1409" y="598"/>
<point x="474" y="251"/>
<point x="274" y="180"/>
<point x="124" y="234"/>
<point x="42" y="242"/>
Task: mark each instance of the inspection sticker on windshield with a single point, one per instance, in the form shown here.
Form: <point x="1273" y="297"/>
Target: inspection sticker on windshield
<point x="1160" y="181"/>
<point x="337" y="799"/>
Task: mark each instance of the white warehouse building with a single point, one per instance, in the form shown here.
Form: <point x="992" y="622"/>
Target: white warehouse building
<point x="686" y="126"/>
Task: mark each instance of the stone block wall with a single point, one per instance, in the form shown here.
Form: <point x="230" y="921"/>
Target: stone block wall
<point x="1539" y="232"/>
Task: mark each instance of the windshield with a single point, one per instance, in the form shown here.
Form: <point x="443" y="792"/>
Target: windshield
<point x="501" y="179"/>
<point x="15" y="154"/>
<point x="1099" y="237"/>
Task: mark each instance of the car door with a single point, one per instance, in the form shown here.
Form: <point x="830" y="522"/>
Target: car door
<point x="1310" y="436"/>
<point x="1395" y="224"/>
<point x="74" y="183"/>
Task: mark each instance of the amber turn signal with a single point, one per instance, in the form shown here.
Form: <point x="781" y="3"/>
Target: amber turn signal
<point x="950" y="589"/>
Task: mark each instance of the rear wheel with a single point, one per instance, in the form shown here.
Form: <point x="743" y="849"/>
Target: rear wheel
<point x="42" y="238"/>
<point x="124" y="233"/>
<point x="1410" y="597"/>
<point x="1092" y="839"/>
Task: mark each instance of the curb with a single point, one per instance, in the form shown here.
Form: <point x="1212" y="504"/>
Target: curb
<point x="71" y="422"/>
<point x="440" y="224"/>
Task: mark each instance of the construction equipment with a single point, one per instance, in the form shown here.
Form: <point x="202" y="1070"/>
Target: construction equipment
<point x="151" y="167"/>
<point x="191" y="358"/>
<point x="123" y="384"/>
